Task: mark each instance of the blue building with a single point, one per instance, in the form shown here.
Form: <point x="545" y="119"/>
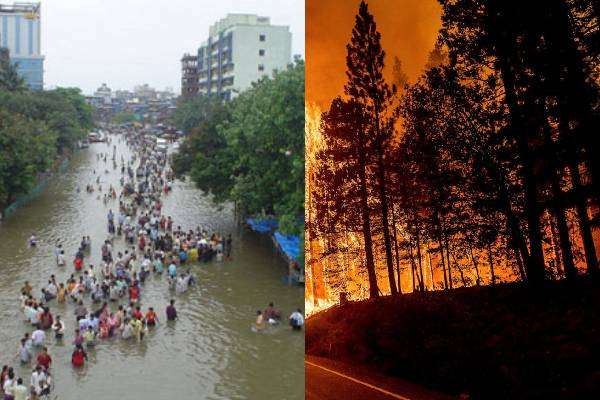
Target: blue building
<point x="20" y="33"/>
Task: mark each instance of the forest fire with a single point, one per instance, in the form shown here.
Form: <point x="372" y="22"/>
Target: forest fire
<point x="324" y="278"/>
<point x="340" y="268"/>
<point x="328" y="275"/>
<point x="433" y="230"/>
<point x="315" y="293"/>
<point x="454" y="211"/>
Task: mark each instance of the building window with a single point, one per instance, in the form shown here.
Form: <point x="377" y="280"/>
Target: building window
<point x="261" y="67"/>
<point x="262" y="37"/>
<point x="261" y="52"/>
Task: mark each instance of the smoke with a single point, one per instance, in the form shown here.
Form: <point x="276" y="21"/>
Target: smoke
<point x="408" y="31"/>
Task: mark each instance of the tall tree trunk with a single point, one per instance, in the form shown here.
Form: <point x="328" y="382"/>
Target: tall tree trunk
<point x="585" y="228"/>
<point x="576" y="101"/>
<point x="313" y="275"/>
<point x="555" y="246"/>
<point x="515" y="234"/>
<point x="442" y="256"/>
<point x="440" y="232"/>
<point x="412" y="265"/>
<point x="313" y="258"/>
<point x="460" y="270"/>
<point x="558" y="208"/>
<point x="580" y="198"/>
<point x="535" y="262"/>
<point x="422" y="280"/>
<point x="462" y="276"/>
<point x="347" y="260"/>
<point x="397" y="253"/>
<point x="578" y="90"/>
<point x="566" y="249"/>
<point x="448" y="260"/>
<point x="521" y="127"/>
<point x="520" y="263"/>
<point x="384" y="212"/>
<point x="430" y="267"/>
<point x="516" y="240"/>
<point x="491" y="262"/>
<point x="518" y="244"/>
<point x="366" y="221"/>
<point x="475" y="266"/>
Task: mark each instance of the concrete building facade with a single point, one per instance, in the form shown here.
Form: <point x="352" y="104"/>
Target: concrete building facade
<point x="189" y="76"/>
<point x="20" y="33"/>
<point x="240" y="49"/>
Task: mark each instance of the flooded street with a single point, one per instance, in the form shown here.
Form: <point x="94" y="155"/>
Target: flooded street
<point x="209" y="353"/>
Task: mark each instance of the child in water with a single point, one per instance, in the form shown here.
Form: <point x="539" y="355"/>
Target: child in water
<point x="33" y="240"/>
<point x="259" y="324"/>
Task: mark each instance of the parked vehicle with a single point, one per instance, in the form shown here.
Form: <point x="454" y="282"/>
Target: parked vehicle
<point x="162" y="145"/>
<point x="95" y="137"/>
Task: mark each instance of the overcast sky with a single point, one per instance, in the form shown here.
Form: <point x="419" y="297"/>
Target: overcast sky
<point x="129" y="42"/>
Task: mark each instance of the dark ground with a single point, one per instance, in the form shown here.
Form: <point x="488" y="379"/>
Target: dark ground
<point x="327" y="379"/>
<point x="507" y="341"/>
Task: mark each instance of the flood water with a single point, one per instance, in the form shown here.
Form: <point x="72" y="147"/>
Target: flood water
<point x="209" y="353"/>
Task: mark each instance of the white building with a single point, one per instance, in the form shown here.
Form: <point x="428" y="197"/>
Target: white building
<point x="20" y="33"/>
<point x="104" y="94"/>
<point x="240" y="49"/>
<point x="144" y="91"/>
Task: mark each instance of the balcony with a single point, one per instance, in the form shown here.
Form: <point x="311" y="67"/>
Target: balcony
<point x="227" y="69"/>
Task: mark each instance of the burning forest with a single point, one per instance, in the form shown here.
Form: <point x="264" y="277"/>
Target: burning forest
<point x="478" y="171"/>
<point x="452" y="196"/>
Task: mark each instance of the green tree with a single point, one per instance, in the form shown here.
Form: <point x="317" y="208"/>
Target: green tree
<point x="250" y="150"/>
<point x="26" y="149"/>
<point x="36" y="128"/>
<point x="265" y="133"/>
<point x="9" y="77"/>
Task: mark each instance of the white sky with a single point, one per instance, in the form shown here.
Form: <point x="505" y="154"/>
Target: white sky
<point x="128" y="42"/>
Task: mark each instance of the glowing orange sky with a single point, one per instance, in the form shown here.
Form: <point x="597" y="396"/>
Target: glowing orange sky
<point x="408" y="30"/>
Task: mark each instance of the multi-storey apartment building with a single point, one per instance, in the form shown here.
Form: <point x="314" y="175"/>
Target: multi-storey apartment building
<point x="20" y="33"/>
<point x="240" y="49"/>
<point x="189" y="75"/>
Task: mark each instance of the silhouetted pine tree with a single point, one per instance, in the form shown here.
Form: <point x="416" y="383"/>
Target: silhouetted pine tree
<point x="367" y="87"/>
<point x="344" y="176"/>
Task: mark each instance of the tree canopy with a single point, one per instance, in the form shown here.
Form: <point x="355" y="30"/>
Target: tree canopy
<point x="36" y="128"/>
<point x="9" y="77"/>
<point x="250" y="150"/>
<point x="490" y="173"/>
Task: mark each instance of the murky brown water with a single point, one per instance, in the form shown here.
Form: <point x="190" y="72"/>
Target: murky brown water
<point x="210" y="353"/>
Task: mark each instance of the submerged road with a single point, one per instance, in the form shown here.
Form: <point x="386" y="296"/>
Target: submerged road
<point x="210" y="353"/>
<point x="329" y="380"/>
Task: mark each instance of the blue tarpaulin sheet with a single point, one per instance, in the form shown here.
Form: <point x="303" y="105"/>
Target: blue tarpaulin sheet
<point x="262" y="225"/>
<point x="289" y="244"/>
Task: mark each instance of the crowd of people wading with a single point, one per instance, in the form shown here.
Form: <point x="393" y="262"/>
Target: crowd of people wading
<point x="106" y="296"/>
